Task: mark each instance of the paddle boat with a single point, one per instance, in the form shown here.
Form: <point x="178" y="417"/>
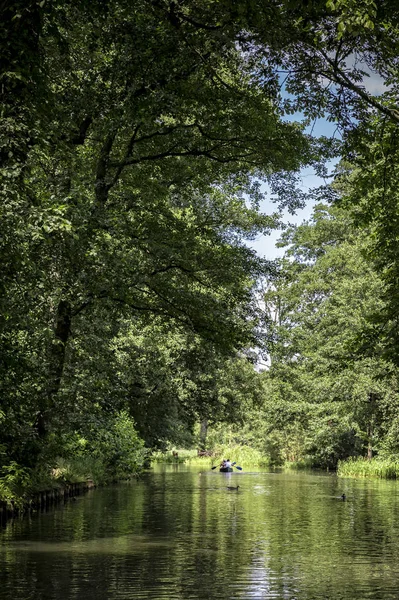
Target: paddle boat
<point x="223" y="468"/>
<point x="226" y="466"/>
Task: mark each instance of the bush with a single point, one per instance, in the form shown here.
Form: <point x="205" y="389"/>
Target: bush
<point x="15" y="483"/>
<point x="109" y="450"/>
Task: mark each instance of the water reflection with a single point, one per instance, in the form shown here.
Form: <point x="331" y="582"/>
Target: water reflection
<point x="178" y="535"/>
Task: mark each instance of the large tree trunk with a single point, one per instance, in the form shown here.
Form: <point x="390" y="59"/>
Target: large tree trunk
<point x="56" y="358"/>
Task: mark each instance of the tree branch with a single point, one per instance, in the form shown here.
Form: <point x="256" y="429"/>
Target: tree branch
<point x="170" y="154"/>
<point x="339" y="76"/>
<point x="128" y="153"/>
<point x="79" y="139"/>
<point x="101" y="186"/>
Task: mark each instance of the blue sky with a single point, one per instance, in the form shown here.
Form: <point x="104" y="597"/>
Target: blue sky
<point x="265" y="245"/>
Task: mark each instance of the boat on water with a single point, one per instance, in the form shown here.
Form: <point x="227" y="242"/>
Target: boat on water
<point x="226" y="467"/>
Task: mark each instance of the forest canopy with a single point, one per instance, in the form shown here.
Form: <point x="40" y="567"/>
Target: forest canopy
<point x="137" y="139"/>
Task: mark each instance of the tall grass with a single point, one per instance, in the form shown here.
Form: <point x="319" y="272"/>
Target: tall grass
<point x="376" y="467"/>
<point x="184" y="456"/>
<point x="298" y="465"/>
<point x="242" y="455"/>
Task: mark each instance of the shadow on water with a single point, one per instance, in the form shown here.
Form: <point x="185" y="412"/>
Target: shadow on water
<point x="179" y="535"/>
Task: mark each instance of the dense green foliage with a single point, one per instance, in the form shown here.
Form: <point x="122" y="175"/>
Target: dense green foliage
<point x="335" y="400"/>
<point x="128" y="190"/>
<point x="135" y="140"/>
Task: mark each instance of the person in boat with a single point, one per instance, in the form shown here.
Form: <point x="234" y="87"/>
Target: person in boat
<point x="227" y="463"/>
<point x="223" y="464"/>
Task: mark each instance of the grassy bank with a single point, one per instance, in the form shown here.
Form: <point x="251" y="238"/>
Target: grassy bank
<point x="242" y="455"/>
<point x="362" y="467"/>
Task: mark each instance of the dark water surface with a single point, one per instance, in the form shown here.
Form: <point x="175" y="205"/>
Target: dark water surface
<point x="179" y="535"/>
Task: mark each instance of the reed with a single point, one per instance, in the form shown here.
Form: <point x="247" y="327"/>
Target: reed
<point x="242" y="455"/>
<point x="381" y="468"/>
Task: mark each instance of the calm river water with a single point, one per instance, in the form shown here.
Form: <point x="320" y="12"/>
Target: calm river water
<point x="178" y="535"/>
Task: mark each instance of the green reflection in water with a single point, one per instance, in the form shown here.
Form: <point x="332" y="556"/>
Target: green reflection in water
<point x="178" y="535"/>
<point x="114" y="545"/>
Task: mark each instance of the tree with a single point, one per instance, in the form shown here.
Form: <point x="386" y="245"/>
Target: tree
<point x="322" y="383"/>
<point x="369" y="190"/>
<point x="133" y="137"/>
<point x="131" y="189"/>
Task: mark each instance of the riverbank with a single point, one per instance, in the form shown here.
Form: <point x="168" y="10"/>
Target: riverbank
<point x="43" y="499"/>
